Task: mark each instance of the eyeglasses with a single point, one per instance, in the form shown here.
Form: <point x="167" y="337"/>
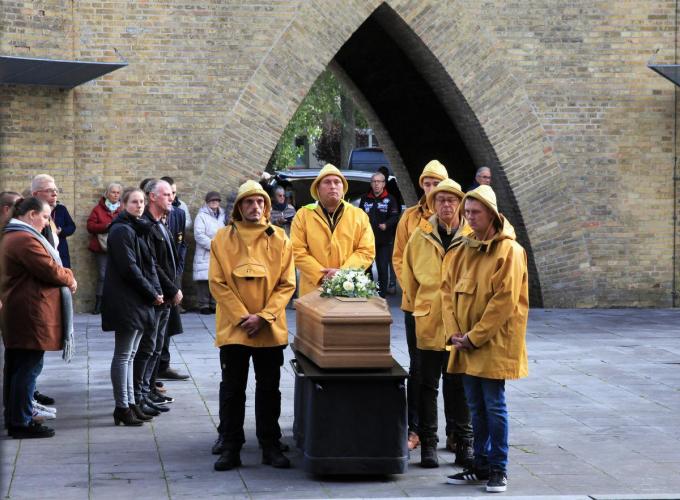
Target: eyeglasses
<point x="377" y="182"/>
<point x="214" y="199"/>
<point x="485" y="176"/>
<point x="50" y="191"/>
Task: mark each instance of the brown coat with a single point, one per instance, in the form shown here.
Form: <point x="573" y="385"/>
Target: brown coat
<point x="29" y="290"/>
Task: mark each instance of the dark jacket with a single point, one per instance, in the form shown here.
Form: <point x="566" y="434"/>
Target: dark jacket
<point x="131" y="283"/>
<point x="98" y="223"/>
<point x="381" y="209"/>
<point x="177" y="221"/>
<point x="165" y="256"/>
<point x="31" y="313"/>
<point x="62" y="219"/>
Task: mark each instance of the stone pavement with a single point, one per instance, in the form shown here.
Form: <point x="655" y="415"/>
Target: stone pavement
<point x="598" y="417"/>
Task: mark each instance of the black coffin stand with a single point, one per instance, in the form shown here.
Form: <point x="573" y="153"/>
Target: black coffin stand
<point x="350" y="421"/>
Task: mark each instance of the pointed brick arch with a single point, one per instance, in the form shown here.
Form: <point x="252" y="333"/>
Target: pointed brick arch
<point x="478" y="92"/>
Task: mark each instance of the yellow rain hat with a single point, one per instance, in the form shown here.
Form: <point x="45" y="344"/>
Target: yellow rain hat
<point x="250" y="188"/>
<point x="327" y="170"/>
<point x="446" y="185"/>
<point x="435" y="170"/>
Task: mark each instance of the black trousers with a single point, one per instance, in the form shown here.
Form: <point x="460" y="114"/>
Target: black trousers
<point x="433" y="367"/>
<point x="235" y="361"/>
<point x="383" y="257"/>
<point x="413" y="382"/>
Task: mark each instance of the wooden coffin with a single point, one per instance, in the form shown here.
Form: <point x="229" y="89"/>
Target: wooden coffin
<point x="340" y="333"/>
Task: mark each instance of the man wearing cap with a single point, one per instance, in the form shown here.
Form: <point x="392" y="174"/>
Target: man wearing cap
<point x="485" y="298"/>
<point x="252" y="278"/>
<point x="432" y="174"/>
<point x="421" y="277"/>
<point x="330" y="234"/>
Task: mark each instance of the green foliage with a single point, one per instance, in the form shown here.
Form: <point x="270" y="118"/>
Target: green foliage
<point x="320" y="110"/>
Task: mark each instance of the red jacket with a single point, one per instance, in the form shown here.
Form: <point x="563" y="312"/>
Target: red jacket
<point x="98" y="223"/>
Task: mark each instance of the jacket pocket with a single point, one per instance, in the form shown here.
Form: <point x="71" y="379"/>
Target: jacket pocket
<point x="465" y="285"/>
<point x="422" y="310"/>
<point x="250" y="271"/>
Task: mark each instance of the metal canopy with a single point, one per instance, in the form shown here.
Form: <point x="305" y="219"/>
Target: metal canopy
<point x="668" y="71"/>
<point x="51" y="72"/>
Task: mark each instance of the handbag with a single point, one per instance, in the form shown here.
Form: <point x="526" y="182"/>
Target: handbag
<point x="102" y="238"/>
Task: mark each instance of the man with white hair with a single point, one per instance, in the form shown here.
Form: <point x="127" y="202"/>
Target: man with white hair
<point x="482" y="178"/>
<point x="44" y="188"/>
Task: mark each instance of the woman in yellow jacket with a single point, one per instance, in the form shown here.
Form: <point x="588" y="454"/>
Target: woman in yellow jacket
<point x="485" y="306"/>
<point x="252" y="278"/>
<point x="330" y="234"/>
<point x="433" y="173"/>
<point x="421" y="279"/>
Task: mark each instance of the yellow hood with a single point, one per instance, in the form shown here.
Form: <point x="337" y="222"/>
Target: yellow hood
<point x="433" y="169"/>
<point x="446" y="185"/>
<point x="250" y="188"/>
<point x="327" y="170"/>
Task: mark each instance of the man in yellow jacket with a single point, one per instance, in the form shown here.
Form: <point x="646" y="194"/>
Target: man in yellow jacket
<point x="433" y="173"/>
<point x="330" y="234"/>
<point x="486" y="305"/>
<point x="252" y="278"/>
<point x="421" y="278"/>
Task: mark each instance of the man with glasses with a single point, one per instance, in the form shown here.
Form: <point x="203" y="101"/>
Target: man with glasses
<point x="482" y="178"/>
<point x="44" y="188"/>
<point x="383" y="213"/>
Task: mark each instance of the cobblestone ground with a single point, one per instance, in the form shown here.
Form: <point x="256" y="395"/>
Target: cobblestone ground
<point x="598" y="416"/>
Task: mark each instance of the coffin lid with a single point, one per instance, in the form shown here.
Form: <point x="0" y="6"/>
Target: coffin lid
<point x="328" y="310"/>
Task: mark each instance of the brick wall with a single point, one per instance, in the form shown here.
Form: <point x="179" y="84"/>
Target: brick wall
<point x="581" y="129"/>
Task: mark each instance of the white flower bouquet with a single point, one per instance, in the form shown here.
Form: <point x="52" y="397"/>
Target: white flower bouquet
<point x="352" y="283"/>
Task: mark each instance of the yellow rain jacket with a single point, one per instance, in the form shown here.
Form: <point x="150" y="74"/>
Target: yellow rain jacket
<point x="421" y="280"/>
<point x="251" y="272"/>
<point x="349" y="245"/>
<point x="486" y="295"/>
<point x="409" y="222"/>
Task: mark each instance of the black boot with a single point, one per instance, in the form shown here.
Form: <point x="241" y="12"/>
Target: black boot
<point x="271" y="455"/>
<point x="428" y="455"/>
<point x="228" y="460"/>
<point x="146" y="409"/>
<point x="465" y="454"/>
<point x="154" y="406"/>
<point x="97" y="305"/>
<point x="126" y="417"/>
<point x="219" y="445"/>
<point x="140" y="414"/>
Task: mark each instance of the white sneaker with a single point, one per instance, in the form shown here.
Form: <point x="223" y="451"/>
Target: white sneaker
<point x="44" y="415"/>
<point x="43" y="407"/>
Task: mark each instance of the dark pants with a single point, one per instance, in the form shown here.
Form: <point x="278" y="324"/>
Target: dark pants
<point x="164" y="360"/>
<point x="433" y="367"/>
<point x="148" y="353"/>
<point x="486" y="398"/>
<point x="413" y="383"/>
<point x="22" y="367"/>
<point x="235" y="361"/>
<point x="383" y="257"/>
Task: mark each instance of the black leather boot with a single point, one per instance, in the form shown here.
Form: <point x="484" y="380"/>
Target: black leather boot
<point x="146" y="409"/>
<point x="465" y="454"/>
<point x="126" y="417"/>
<point x="97" y="305"/>
<point x="271" y="455"/>
<point x="428" y="455"/>
<point x="140" y="414"/>
<point x="228" y="460"/>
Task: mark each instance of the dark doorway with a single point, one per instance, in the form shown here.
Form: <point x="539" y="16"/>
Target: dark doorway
<point x="424" y="113"/>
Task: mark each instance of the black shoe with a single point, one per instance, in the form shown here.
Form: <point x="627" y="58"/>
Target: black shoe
<point x="469" y="476"/>
<point x="126" y="417"/>
<point x="219" y="446"/>
<point x="206" y="310"/>
<point x="147" y="410"/>
<point x="154" y="406"/>
<point x="282" y="446"/>
<point x="97" y="305"/>
<point x="33" y="430"/>
<point x="271" y="455"/>
<point x="428" y="456"/>
<point x="140" y="414"/>
<point x="465" y="454"/>
<point x="228" y="460"/>
<point x="42" y="399"/>
<point x="498" y="481"/>
<point x="170" y="374"/>
<point x="159" y="399"/>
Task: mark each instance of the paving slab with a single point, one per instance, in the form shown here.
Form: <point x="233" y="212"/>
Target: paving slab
<point x="596" y="419"/>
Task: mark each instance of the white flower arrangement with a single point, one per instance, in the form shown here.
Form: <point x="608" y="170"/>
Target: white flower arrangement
<point x="349" y="283"/>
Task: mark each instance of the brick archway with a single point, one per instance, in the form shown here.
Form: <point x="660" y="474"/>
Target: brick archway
<point x="486" y="103"/>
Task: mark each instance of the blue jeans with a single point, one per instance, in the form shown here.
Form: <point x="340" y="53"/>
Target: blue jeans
<point x="486" y="399"/>
<point x="26" y="365"/>
<point x="126" y="344"/>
